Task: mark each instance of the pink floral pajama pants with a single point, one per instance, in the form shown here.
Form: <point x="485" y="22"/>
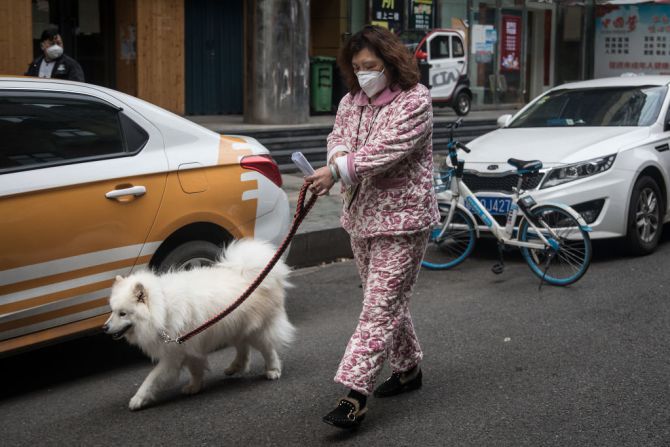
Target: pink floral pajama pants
<point x="388" y="266"/>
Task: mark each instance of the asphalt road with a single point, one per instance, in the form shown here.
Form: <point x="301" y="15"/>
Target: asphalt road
<point x="505" y="364"/>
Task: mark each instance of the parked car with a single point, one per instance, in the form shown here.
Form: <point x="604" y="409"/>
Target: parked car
<point x="605" y="148"/>
<point x="443" y="63"/>
<point x="95" y="183"/>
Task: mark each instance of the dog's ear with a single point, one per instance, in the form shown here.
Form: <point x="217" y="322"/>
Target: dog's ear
<point x="140" y="293"/>
<point x="118" y="278"/>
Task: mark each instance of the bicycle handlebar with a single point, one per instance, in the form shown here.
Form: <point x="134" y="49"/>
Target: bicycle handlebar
<point x="453" y="142"/>
<point x="459" y="145"/>
<point x="463" y="146"/>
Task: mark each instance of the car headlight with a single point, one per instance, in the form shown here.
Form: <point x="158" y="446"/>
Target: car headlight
<point x="569" y="173"/>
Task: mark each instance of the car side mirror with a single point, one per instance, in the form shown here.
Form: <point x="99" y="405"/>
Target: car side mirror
<point x="504" y="120"/>
<point x="421" y="55"/>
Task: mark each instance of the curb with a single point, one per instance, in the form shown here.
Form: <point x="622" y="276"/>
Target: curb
<point x="318" y="247"/>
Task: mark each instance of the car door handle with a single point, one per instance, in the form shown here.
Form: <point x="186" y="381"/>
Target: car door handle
<point x="136" y="191"/>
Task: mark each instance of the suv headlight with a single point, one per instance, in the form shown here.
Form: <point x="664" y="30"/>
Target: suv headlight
<point x="569" y="173"/>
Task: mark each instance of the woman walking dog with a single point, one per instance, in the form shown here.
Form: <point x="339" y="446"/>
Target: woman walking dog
<point x="381" y="150"/>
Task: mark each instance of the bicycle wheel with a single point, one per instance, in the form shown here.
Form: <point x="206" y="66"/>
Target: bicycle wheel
<point x="456" y="243"/>
<point x="570" y="255"/>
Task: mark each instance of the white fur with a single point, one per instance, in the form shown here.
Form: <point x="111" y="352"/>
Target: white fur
<point x="179" y="301"/>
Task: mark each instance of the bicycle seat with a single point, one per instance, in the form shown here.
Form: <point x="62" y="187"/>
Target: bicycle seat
<point x="524" y="166"/>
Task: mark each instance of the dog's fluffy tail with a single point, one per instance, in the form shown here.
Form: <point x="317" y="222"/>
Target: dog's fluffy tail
<point x="281" y="332"/>
<point x="248" y="257"/>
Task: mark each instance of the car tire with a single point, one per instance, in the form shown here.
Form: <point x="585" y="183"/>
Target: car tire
<point x="462" y="104"/>
<point x="190" y="255"/>
<point x="645" y="217"/>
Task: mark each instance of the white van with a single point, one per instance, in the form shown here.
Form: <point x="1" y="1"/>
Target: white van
<point x="442" y="58"/>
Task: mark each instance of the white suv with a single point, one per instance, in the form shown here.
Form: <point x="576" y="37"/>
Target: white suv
<point x="443" y="64"/>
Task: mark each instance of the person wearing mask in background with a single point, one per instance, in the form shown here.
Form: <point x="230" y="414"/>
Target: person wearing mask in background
<point x="381" y="150"/>
<point x="54" y="63"/>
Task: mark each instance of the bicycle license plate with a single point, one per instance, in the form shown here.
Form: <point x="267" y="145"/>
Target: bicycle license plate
<point x="496" y="206"/>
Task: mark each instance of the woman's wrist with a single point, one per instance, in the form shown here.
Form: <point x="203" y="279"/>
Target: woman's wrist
<point x="333" y="172"/>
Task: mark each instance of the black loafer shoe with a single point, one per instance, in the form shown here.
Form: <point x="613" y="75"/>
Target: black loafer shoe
<point x="347" y="414"/>
<point x="394" y="385"/>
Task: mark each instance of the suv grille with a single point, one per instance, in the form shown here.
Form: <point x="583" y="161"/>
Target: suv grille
<point x="499" y="183"/>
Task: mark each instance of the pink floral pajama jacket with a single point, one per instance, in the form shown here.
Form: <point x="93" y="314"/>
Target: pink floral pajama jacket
<point x="388" y="145"/>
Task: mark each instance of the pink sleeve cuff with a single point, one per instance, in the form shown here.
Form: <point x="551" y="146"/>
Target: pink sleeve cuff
<point x="343" y="170"/>
<point x="352" y="168"/>
<point x="345" y="165"/>
<point x="336" y="149"/>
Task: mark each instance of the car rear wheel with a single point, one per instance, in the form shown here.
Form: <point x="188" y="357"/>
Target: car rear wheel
<point x="462" y="104"/>
<point x="190" y="255"/>
<point x="645" y="217"/>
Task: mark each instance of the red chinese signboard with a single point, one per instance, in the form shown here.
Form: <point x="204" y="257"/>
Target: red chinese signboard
<point x="510" y="45"/>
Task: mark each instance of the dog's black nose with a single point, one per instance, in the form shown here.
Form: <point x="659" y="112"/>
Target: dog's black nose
<point x="105" y="328"/>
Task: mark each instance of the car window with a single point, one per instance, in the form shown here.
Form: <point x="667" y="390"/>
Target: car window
<point x="457" y="47"/>
<point x="41" y="130"/>
<point x="135" y="136"/>
<point x="611" y="106"/>
<point x="439" y="47"/>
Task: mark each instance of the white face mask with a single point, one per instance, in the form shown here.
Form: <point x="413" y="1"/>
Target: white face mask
<point x="372" y="82"/>
<point x="54" y="51"/>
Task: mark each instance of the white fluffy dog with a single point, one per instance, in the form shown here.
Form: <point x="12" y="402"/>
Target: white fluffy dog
<point x="145" y="304"/>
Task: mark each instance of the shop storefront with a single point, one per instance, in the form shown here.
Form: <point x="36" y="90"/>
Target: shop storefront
<point x="511" y="47"/>
<point x="512" y="44"/>
<point x="186" y="56"/>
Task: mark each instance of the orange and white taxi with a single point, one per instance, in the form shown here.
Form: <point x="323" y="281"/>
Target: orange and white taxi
<point x="95" y="183"/>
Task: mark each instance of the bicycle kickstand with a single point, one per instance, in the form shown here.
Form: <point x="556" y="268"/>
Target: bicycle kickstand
<point x="547" y="263"/>
<point x="499" y="266"/>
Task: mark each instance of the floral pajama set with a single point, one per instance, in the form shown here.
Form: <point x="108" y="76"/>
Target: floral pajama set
<point x="389" y="208"/>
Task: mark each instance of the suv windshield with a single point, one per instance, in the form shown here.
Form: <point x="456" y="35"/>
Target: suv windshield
<point x="597" y="107"/>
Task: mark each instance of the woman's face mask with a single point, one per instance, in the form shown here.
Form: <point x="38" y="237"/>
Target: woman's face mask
<point x="369" y="69"/>
<point x="372" y="82"/>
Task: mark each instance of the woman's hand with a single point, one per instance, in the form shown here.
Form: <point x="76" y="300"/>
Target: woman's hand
<point x="321" y="181"/>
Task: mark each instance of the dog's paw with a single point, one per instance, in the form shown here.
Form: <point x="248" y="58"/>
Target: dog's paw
<point x="273" y="374"/>
<point x="137" y="403"/>
<point x="191" y="388"/>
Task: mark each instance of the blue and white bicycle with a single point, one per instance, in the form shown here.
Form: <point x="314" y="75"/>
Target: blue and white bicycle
<point x="553" y="238"/>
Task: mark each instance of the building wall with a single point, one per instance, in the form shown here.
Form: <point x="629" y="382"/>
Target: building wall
<point x="16" y="36"/>
<point x="160" y="53"/>
<point x="329" y="20"/>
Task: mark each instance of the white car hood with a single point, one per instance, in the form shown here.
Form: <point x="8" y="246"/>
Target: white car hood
<point x="551" y="145"/>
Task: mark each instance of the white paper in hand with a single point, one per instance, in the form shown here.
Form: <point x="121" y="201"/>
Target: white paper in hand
<point x="301" y="162"/>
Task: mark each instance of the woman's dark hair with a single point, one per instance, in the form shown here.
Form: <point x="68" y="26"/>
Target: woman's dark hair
<point x="400" y="65"/>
